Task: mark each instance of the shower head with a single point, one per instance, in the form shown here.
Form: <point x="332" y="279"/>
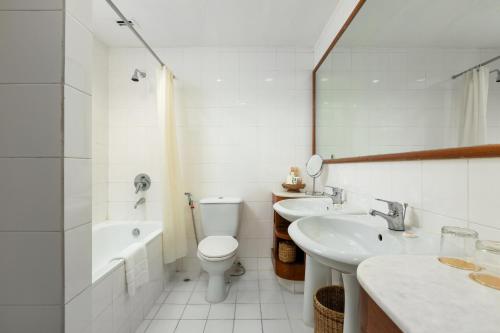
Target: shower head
<point x="138" y="74"/>
<point x="498" y="74"/>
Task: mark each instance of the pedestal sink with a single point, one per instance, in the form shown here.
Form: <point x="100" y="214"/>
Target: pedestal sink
<point x="293" y="209"/>
<point x="342" y="242"/>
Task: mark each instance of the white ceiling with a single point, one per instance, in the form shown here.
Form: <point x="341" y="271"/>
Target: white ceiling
<point x="165" y="23"/>
<point x="426" y="23"/>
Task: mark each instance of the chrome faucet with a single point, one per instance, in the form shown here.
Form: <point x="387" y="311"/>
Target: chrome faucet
<point x="337" y="195"/>
<point x="395" y="217"/>
<point x="139" y="202"/>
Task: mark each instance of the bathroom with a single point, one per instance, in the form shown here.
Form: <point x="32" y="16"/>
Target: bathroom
<point x="147" y="152"/>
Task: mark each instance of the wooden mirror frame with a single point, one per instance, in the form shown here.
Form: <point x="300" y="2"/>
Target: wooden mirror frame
<point x="491" y="150"/>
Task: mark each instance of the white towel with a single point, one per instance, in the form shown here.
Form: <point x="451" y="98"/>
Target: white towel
<point x="136" y="266"/>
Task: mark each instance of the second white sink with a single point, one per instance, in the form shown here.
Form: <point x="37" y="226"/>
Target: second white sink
<point x="343" y="242"/>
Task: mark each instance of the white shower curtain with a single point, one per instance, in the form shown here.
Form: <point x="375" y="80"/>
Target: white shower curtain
<point x="174" y="214"/>
<point x="472" y="122"/>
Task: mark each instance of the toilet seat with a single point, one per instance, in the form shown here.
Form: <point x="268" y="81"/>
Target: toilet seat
<point x="217" y="248"/>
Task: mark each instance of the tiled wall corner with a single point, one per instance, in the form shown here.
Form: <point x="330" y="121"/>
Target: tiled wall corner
<point x="78" y="166"/>
<point x="100" y="126"/>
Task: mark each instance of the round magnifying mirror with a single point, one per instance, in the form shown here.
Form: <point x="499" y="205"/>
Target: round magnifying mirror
<point x="314" y="166"/>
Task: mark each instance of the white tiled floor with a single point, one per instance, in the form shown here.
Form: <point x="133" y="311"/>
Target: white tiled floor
<point x="256" y="304"/>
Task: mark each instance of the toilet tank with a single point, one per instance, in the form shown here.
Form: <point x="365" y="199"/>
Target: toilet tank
<point x="220" y="216"/>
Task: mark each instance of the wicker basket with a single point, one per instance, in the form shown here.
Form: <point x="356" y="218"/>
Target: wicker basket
<point x="329" y="310"/>
<point x="287" y="251"/>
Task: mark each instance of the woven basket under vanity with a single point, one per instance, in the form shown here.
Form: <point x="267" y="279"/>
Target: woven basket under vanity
<point x="329" y="310"/>
<point x="287" y="251"/>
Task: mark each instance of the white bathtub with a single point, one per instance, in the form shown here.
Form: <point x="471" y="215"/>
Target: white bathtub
<point x="110" y="239"/>
<point x="112" y="306"/>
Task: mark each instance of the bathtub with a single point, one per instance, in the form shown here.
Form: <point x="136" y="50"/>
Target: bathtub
<point x="109" y="239"/>
<point x="111" y="304"/>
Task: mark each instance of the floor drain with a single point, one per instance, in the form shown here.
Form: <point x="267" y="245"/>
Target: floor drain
<point x="187" y="279"/>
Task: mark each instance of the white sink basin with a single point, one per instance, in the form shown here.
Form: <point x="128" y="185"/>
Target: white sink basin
<point x="342" y="242"/>
<point x="293" y="209"/>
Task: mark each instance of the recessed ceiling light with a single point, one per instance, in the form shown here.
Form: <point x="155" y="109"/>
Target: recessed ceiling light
<point x="376" y="81"/>
<point x="324" y="79"/>
<point x="422" y="79"/>
<point x="218" y="80"/>
<point x="268" y="79"/>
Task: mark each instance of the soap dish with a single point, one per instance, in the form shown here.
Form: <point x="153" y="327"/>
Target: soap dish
<point x="293" y="187"/>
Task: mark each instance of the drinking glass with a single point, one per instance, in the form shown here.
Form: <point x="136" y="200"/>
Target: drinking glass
<point x="457" y="247"/>
<point x="487" y="257"/>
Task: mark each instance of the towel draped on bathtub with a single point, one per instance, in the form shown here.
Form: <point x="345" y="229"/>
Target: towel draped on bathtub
<point x="136" y="266"/>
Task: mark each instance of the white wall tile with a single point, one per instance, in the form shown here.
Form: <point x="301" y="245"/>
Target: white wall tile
<point x="31" y="319"/>
<point x="31" y="55"/>
<point x="77" y="192"/>
<point x="78" y="313"/>
<point x="406" y="183"/>
<point x="39" y="280"/>
<point x="77" y="260"/>
<point x="77" y="123"/>
<point x="78" y="56"/>
<point x="30" y="121"/>
<point x="484" y="191"/>
<point x="102" y="295"/>
<point x="486" y="232"/>
<point x="104" y="322"/>
<point x="31" y="189"/>
<point x="81" y="10"/>
<point x="444" y="187"/>
<point x="100" y="125"/>
<point x="432" y="222"/>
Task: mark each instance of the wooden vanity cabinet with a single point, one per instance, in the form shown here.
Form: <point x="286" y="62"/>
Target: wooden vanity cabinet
<point x="291" y="271"/>
<point x="373" y="318"/>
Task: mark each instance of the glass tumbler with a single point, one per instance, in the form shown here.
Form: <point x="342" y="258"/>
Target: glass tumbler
<point x="487" y="256"/>
<point x="457" y="247"/>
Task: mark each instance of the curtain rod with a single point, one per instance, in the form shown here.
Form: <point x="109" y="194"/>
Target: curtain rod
<point x="477" y="66"/>
<point x="131" y="27"/>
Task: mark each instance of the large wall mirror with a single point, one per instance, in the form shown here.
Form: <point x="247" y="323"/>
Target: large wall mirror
<point x="411" y="76"/>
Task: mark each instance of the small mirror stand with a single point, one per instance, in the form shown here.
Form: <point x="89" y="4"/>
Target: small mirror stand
<point x="314" y="168"/>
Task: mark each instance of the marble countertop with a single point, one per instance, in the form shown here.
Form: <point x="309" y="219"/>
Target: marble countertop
<point x="422" y="295"/>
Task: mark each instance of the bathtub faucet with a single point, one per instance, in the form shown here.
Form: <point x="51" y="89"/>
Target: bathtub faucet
<point x="139" y="202"/>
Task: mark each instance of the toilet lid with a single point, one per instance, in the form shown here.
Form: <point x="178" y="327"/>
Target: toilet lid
<point x="217" y="246"/>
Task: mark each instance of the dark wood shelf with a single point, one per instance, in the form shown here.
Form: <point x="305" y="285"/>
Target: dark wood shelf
<point x="291" y="271"/>
<point x="282" y="234"/>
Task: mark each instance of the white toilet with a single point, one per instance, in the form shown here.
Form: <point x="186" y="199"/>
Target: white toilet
<point x="220" y="219"/>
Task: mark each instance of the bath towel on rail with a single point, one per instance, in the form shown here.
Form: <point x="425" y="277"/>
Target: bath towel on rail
<point x="136" y="266"/>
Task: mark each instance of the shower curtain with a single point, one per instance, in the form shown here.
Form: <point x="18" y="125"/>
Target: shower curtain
<point x="174" y="214"/>
<point x="472" y="122"/>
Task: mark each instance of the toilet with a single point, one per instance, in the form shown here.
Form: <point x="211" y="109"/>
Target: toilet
<point x="220" y="219"/>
